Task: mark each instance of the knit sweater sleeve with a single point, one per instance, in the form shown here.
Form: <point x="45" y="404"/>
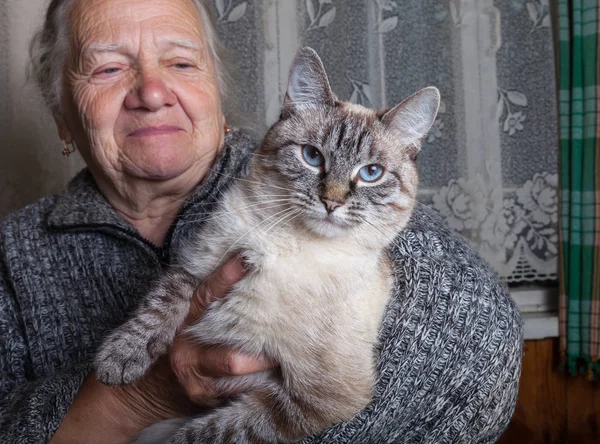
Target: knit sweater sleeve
<point x="30" y="411"/>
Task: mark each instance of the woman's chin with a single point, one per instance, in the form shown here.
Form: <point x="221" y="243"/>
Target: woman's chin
<point x="158" y="166"/>
<point x="158" y="172"/>
<point x="149" y="159"/>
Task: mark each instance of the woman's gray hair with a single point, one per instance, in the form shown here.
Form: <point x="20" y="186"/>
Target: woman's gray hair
<point x="49" y="50"/>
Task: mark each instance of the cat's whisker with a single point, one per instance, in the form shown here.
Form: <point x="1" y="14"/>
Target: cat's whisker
<point x="429" y="209"/>
<point x="260" y="237"/>
<point x="299" y="213"/>
<point x="273" y="225"/>
<point x="212" y="216"/>
<point x="263" y="196"/>
<point x="177" y="199"/>
<point x="378" y="229"/>
<point x="255" y="204"/>
<point x="259" y="199"/>
<point x="252" y="203"/>
<point x="266" y="229"/>
<point x="250" y="230"/>
<point x="395" y="243"/>
<point x="253" y="181"/>
<point x="271" y="195"/>
<point x="285" y="222"/>
<point x="215" y="203"/>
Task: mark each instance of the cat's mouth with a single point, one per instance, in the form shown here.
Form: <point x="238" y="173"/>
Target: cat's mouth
<point x="328" y="224"/>
<point x="334" y="220"/>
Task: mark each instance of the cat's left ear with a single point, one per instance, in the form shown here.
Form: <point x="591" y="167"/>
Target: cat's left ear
<point x="308" y="86"/>
<point x="410" y="120"/>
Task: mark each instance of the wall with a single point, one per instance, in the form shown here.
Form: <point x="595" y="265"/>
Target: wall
<point x="553" y="408"/>
<point x="31" y="164"/>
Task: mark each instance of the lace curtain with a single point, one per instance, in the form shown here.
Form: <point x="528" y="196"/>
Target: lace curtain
<point x="489" y="164"/>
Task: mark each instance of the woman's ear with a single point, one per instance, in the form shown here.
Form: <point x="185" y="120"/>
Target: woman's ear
<point x="61" y="125"/>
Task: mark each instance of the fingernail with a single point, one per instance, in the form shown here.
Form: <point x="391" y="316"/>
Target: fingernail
<point x="235" y="268"/>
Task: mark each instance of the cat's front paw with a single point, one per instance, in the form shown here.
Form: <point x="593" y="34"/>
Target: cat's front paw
<point x="122" y="360"/>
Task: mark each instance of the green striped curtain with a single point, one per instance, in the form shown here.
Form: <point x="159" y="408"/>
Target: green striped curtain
<point x="580" y="186"/>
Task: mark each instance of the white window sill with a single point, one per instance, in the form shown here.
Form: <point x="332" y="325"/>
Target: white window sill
<point x="539" y="309"/>
<point x="540" y="325"/>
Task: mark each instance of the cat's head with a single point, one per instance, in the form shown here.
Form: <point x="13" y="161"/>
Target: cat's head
<point x="346" y="168"/>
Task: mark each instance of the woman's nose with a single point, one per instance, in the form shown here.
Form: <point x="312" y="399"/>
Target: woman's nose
<point x="150" y="92"/>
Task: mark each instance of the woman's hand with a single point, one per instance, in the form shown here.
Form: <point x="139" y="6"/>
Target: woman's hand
<point x="195" y="366"/>
<point x="186" y="377"/>
<point x="175" y="386"/>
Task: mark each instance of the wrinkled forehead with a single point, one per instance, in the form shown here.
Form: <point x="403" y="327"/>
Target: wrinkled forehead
<point x="131" y="24"/>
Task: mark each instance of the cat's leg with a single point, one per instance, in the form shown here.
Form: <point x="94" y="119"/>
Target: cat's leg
<point x="258" y="417"/>
<point x="130" y="350"/>
<point x="273" y="414"/>
<point x="163" y="431"/>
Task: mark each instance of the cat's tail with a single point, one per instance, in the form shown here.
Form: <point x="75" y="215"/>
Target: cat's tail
<point x="161" y="432"/>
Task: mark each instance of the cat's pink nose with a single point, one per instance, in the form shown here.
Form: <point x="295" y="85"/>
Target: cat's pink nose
<point x="331" y="205"/>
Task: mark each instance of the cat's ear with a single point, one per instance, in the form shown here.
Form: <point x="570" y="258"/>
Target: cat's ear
<point x="410" y="120"/>
<point x="308" y="86"/>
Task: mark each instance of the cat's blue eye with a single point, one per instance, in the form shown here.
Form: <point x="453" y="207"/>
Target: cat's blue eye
<point x="312" y="156"/>
<point x="370" y="173"/>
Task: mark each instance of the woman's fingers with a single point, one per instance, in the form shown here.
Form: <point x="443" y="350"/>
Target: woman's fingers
<point x="216" y="286"/>
<point x="197" y="367"/>
<point x="191" y="359"/>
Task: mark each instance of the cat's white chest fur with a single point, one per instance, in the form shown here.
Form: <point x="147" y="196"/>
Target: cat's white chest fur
<point x="303" y="292"/>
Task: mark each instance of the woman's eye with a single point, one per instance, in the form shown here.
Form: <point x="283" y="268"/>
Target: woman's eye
<point x="180" y="63"/>
<point x="370" y="173"/>
<point x="109" y="71"/>
<point x="312" y="156"/>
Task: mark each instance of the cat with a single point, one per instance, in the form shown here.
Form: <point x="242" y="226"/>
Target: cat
<point x="327" y="191"/>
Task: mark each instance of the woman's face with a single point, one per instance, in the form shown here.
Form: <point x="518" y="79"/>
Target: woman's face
<point x="140" y="94"/>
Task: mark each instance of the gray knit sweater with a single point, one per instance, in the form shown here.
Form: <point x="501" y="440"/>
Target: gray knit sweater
<point x="71" y="269"/>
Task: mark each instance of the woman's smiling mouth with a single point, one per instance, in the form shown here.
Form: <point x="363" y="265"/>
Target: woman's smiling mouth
<point x="154" y="131"/>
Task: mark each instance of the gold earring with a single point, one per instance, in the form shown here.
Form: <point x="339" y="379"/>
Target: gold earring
<point x="226" y="128"/>
<point x="66" y="150"/>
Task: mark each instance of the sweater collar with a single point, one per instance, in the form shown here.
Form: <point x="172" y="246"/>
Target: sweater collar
<point x="82" y="206"/>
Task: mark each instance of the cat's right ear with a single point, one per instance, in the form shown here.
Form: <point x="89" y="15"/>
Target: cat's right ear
<point x="308" y="86"/>
<point x="410" y="120"/>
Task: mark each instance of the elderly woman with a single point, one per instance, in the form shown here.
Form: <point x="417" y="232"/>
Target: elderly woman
<point x="136" y="86"/>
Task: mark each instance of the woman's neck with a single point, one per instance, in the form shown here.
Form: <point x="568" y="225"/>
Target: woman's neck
<point x="149" y="206"/>
<point x="153" y="228"/>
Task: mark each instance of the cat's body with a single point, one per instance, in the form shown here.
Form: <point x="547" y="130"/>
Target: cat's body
<point x="289" y="305"/>
<point x="297" y="279"/>
<point x="314" y="226"/>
